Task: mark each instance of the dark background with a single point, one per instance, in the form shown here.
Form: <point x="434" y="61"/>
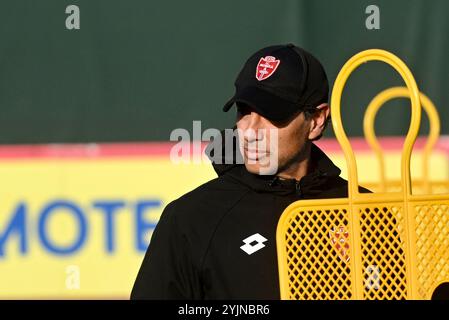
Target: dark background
<point x="138" y="69"/>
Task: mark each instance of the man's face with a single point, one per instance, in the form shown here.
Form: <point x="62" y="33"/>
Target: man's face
<point x="267" y="145"/>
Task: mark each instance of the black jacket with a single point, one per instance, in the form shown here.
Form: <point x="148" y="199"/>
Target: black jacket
<point x="195" y="249"/>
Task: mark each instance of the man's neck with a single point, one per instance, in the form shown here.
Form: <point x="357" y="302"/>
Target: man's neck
<point x="299" y="167"/>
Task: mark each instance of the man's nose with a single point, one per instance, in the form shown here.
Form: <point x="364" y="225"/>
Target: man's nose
<point x="253" y="130"/>
<point x="254" y="120"/>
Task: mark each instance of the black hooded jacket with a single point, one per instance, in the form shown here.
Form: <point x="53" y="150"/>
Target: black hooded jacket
<point x="195" y="251"/>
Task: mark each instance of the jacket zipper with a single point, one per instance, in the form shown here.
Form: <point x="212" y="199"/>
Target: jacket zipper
<point x="298" y="187"/>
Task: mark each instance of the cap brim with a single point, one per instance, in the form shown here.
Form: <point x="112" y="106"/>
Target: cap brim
<point x="268" y="105"/>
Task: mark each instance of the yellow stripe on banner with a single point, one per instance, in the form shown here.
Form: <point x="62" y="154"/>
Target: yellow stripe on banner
<point x="369" y="170"/>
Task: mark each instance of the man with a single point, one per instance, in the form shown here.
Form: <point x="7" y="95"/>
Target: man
<point x="219" y="240"/>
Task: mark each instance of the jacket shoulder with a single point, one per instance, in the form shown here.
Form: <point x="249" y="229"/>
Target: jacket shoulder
<point x="211" y="198"/>
<point x="197" y="214"/>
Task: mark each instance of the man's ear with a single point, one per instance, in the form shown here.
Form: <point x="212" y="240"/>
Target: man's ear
<point x="319" y="121"/>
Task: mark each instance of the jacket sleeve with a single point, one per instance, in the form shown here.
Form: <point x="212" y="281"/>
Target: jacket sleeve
<point x="167" y="270"/>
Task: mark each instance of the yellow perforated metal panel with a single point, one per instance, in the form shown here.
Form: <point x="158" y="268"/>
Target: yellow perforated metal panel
<point x="367" y="246"/>
<point x="382" y="252"/>
<point x="317" y="267"/>
<point x="432" y="245"/>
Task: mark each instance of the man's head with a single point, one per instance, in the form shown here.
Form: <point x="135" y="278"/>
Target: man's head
<point x="281" y="97"/>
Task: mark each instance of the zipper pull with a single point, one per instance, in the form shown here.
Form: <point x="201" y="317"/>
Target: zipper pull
<point x="298" y="187"/>
<point x="273" y="181"/>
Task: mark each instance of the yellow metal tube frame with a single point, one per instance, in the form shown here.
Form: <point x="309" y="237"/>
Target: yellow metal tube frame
<point x="405" y="235"/>
<point x="368" y="128"/>
<point x="340" y="82"/>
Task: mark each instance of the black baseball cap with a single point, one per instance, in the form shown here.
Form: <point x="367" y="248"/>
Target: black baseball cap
<point x="279" y="81"/>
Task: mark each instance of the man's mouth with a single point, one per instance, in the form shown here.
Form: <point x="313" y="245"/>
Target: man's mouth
<point x="255" y="154"/>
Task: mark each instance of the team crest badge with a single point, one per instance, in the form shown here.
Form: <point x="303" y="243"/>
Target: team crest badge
<point x="340" y="240"/>
<point x="266" y="67"/>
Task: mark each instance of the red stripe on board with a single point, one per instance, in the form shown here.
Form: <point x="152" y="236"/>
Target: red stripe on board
<point x="88" y="150"/>
<point x="162" y="149"/>
<point x="83" y="150"/>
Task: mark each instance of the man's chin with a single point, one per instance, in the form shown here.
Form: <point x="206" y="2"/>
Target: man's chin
<point x="257" y="168"/>
<point x="253" y="168"/>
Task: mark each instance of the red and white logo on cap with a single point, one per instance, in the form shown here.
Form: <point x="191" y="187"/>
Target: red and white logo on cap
<point x="266" y="67"/>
